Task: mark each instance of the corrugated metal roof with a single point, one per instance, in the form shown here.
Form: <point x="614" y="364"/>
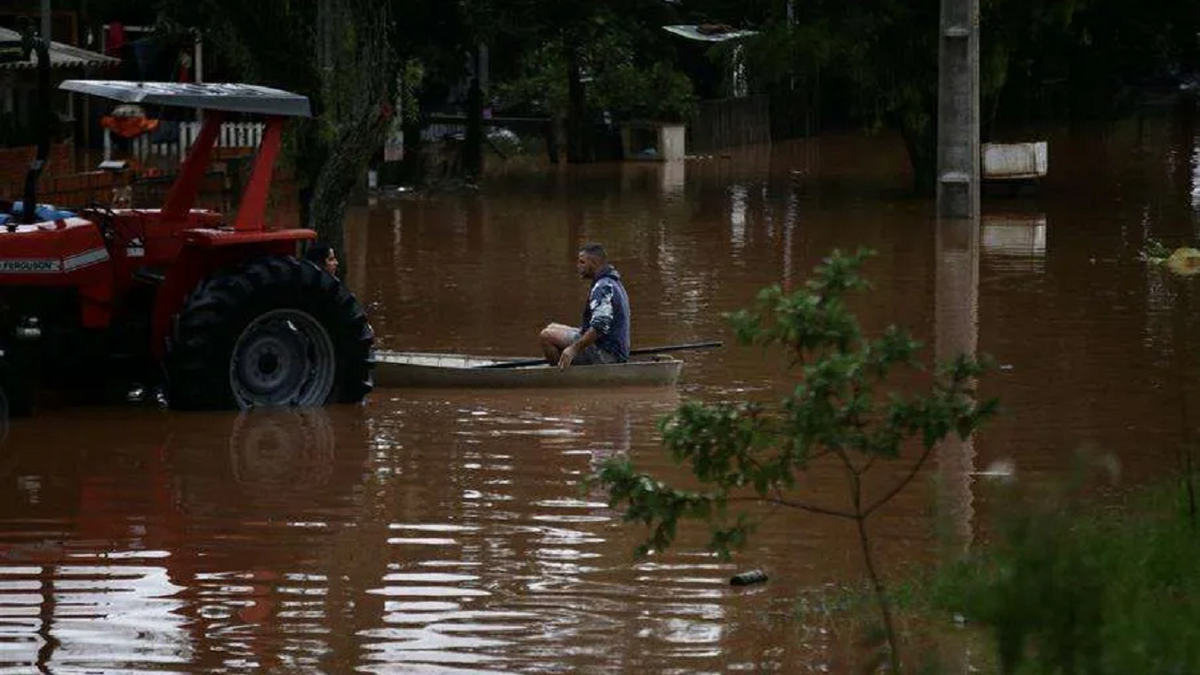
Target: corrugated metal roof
<point x="61" y="55"/>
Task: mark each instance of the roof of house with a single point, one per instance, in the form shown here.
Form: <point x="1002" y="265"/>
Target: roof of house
<point x="61" y="55"/>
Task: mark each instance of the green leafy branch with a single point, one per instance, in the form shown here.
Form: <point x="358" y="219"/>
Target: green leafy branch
<point x="752" y="453"/>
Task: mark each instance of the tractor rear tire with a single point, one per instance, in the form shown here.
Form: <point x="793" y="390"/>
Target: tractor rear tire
<point x="276" y="332"/>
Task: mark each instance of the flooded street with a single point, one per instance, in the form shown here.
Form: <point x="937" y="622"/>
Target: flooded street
<point x="447" y="532"/>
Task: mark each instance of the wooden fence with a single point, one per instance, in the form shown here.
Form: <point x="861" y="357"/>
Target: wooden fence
<point x="729" y="123"/>
<point x="181" y="136"/>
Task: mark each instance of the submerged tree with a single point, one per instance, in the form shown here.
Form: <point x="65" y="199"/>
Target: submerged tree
<point x="754" y="453"/>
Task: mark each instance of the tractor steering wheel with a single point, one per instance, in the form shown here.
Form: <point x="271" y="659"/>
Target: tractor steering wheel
<point x="107" y="218"/>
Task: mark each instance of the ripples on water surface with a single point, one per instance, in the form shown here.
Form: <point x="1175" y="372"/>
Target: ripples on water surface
<point x="447" y="532"/>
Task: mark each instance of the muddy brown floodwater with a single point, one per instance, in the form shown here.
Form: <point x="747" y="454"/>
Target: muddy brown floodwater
<point x="446" y="532"/>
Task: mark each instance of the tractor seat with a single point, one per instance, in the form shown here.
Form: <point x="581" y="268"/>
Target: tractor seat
<point x="149" y="275"/>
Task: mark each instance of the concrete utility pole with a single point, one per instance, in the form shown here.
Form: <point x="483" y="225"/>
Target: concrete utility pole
<point x="958" y="110"/>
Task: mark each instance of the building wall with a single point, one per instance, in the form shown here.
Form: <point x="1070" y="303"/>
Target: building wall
<point x="59" y="184"/>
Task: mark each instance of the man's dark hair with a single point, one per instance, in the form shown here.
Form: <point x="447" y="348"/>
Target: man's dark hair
<point x="596" y="251"/>
<point x="317" y="253"/>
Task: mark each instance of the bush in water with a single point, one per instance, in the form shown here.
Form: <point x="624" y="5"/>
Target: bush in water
<point x="1072" y="588"/>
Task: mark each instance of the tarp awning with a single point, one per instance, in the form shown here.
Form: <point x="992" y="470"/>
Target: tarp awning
<point x="708" y="32"/>
<point x="61" y="55"/>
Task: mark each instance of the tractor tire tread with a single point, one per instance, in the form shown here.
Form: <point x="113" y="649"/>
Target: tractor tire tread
<point x="212" y="318"/>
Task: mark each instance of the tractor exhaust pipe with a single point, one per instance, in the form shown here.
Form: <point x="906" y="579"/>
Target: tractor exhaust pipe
<point x="42" y="45"/>
<point x="29" y="44"/>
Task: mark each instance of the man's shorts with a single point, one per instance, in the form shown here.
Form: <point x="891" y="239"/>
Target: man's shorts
<point x="591" y="356"/>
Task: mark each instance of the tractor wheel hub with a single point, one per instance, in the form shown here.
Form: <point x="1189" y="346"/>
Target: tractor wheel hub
<point x="285" y="357"/>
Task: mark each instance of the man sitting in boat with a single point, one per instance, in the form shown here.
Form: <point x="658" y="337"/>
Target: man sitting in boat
<point x="603" y="336"/>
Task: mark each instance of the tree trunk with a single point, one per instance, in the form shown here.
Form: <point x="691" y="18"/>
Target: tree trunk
<point x="308" y="159"/>
<point x="358" y="76"/>
<point x="348" y="158"/>
<point x="921" y="144"/>
<point x="472" y="159"/>
<point x="575" y="108"/>
<point x="412" y="169"/>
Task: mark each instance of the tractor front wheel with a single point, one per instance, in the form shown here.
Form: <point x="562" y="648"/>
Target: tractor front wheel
<point x="276" y="332"/>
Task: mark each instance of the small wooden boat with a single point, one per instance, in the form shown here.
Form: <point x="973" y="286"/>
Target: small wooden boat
<point x="426" y="369"/>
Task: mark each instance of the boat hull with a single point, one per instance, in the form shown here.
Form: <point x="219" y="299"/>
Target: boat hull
<point x="425" y="369"/>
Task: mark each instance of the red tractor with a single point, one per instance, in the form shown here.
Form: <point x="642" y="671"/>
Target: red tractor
<point x="218" y="310"/>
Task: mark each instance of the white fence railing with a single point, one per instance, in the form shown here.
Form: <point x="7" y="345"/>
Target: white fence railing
<point x="232" y="135"/>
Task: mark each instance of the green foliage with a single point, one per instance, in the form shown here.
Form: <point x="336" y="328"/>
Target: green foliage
<point x="623" y="61"/>
<point x="617" y="82"/>
<point x="412" y="76"/>
<point x="785" y="51"/>
<point x="542" y="82"/>
<point x="750" y="451"/>
<point x="1070" y="588"/>
<point x="1154" y="251"/>
<point x="658" y="92"/>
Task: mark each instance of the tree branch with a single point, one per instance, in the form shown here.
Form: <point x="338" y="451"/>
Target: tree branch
<point x="854" y="478"/>
<point x="869" y="463"/>
<point x="902" y="484"/>
<point x="796" y="505"/>
<point x="821" y="454"/>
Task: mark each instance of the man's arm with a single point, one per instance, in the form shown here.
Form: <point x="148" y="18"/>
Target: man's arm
<point x="602" y="317"/>
<point x="568" y="355"/>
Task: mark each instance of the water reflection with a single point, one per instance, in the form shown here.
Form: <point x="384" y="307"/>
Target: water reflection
<point x="1196" y="177"/>
<point x="1015" y="242"/>
<point x="956" y="328"/>
<point x="957" y="333"/>
<point x="674" y="178"/>
<point x="737" y="216"/>
<point x="529" y="571"/>
<point x="144" y="570"/>
<point x="274" y="452"/>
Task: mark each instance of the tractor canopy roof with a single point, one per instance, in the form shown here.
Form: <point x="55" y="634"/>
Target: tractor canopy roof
<point x="242" y="98"/>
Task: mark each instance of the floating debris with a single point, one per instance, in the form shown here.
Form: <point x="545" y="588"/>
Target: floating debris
<point x="1184" y="262"/>
<point x="747" y="578"/>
